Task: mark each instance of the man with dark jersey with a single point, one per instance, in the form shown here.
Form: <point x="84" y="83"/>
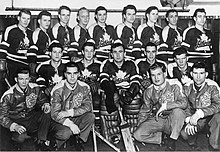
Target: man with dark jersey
<point x="126" y="31"/>
<point x="17" y="41"/>
<point x="103" y="34"/>
<point x="80" y="31"/>
<point x="198" y="41"/>
<point x="62" y="32"/>
<point x="143" y="64"/>
<point x="119" y="79"/>
<point x="171" y="34"/>
<point x="51" y="72"/>
<point x="181" y="68"/>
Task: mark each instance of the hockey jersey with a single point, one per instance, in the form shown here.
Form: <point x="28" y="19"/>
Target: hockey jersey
<point x="80" y="35"/>
<point x="127" y="35"/>
<point x="18" y="42"/>
<point x="103" y="38"/>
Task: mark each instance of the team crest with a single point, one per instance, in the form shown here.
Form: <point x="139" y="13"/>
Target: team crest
<point x="76" y="101"/>
<point x="205" y="99"/>
<point x="56" y="79"/>
<point x="31" y="100"/>
<point x="167" y="97"/>
<point x="155" y="39"/>
<point x="105" y="40"/>
<point x="203" y="41"/>
<point x="86" y="73"/>
<point x="121" y="79"/>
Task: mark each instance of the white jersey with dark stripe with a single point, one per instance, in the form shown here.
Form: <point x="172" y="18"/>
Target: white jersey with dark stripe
<point x="18" y="42"/>
<point x="127" y="35"/>
<point x="199" y="43"/>
<point x="123" y="76"/>
<point x="103" y="37"/>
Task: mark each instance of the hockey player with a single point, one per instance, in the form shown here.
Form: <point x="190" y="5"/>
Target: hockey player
<point x="41" y="38"/>
<point x="62" y="32"/>
<point x="181" y="68"/>
<point x="171" y="34"/>
<point x="126" y="31"/>
<point x="143" y="64"/>
<point x="119" y="79"/>
<point x="162" y="110"/>
<point x="17" y="41"/>
<point x="149" y="31"/>
<point x="198" y="41"/>
<point x="51" y="72"/>
<point x="80" y="32"/>
<point x="90" y="71"/>
<point x="103" y="34"/>
<point x="71" y="105"/>
<point x="203" y="108"/>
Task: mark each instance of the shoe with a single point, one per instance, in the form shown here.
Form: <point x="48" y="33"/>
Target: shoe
<point x="195" y="147"/>
<point x="79" y="144"/>
<point x="213" y="149"/>
<point x="41" y="146"/>
<point x="171" y="145"/>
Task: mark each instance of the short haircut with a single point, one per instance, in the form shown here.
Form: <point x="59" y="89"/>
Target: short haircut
<point x="63" y="7"/>
<point x="99" y="8"/>
<point x="170" y="11"/>
<point x="115" y="45"/>
<point x="43" y="13"/>
<point x="88" y="44"/>
<point x="55" y="44"/>
<point x="150" y="44"/>
<point x="24" y="11"/>
<point x="71" y="64"/>
<point x="22" y="70"/>
<point x="179" y="51"/>
<point x="157" y="65"/>
<point x="199" y="65"/>
<point x="199" y="10"/>
<point x="149" y="9"/>
<point x="82" y="8"/>
<point x="128" y="7"/>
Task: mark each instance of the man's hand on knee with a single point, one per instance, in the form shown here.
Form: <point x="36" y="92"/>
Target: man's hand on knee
<point x="190" y="129"/>
<point x="20" y="129"/>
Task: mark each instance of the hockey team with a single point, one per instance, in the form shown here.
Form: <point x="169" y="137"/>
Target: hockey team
<point x="53" y="79"/>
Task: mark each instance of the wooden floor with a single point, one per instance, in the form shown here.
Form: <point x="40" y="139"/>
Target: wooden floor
<point x="6" y="145"/>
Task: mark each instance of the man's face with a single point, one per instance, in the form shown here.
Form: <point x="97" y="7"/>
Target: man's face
<point x="151" y="52"/>
<point x="199" y="75"/>
<point x="118" y="54"/>
<point x="83" y="17"/>
<point x="157" y="76"/>
<point x="153" y="16"/>
<point x="130" y="16"/>
<point x="24" y="20"/>
<point x="44" y="22"/>
<point x="64" y="16"/>
<point x="72" y="75"/>
<point x="101" y="16"/>
<point x="181" y="60"/>
<point x="89" y="52"/>
<point x="200" y="18"/>
<point x="172" y="18"/>
<point x="23" y="80"/>
<point x="56" y="54"/>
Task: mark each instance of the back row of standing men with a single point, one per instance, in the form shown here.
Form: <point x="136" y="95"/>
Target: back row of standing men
<point x="22" y="47"/>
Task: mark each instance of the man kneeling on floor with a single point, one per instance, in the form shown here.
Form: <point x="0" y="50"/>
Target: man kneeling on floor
<point x="203" y="108"/>
<point x="71" y="105"/>
<point x="162" y="110"/>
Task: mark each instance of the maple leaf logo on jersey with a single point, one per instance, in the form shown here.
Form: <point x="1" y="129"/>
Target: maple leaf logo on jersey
<point x="203" y="41"/>
<point x="86" y="73"/>
<point x="56" y="79"/>
<point x="155" y="39"/>
<point x="120" y="74"/>
<point x="121" y="79"/>
<point x="105" y="40"/>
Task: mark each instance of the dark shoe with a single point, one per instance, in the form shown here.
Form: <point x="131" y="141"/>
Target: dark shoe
<point x="41" y="146"/>
<point x="171" y="145"/>
<point x="195" y="147"/>
<point x="79" y="144"/>
<point x="213" y="149"/>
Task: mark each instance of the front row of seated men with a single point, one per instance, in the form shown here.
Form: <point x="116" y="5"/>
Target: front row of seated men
<point x="168" y="106"/>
